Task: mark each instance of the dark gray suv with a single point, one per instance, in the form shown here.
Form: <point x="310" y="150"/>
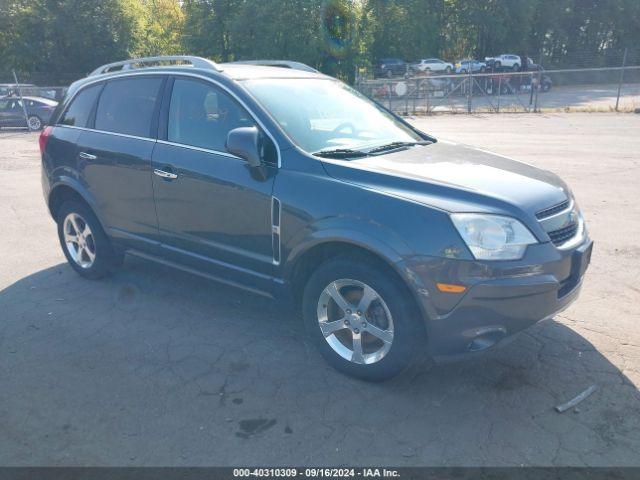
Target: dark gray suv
<point x="289" y="183"/>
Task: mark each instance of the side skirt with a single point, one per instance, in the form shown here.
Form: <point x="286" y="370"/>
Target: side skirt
<point x="200" y="273"/>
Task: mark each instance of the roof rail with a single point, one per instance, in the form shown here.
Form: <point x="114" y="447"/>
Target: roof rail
<point x="278" y="63"/>
<point x="133" y="63"/>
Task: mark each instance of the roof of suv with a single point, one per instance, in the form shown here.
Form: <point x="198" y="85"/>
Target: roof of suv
<point x="239" y="71"/>
<point x="195" y="65"/>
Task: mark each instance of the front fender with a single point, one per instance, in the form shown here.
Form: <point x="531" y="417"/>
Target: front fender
<point x="372" y="237"/>
<point x="361" y="233"/>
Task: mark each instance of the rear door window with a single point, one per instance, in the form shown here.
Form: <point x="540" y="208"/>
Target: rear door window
<point x="77" y="115"/>
<point x="127" y="106"/>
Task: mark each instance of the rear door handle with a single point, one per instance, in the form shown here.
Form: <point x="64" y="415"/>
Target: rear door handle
<point x="87" y="156"/>
<point x="164" y="174"/>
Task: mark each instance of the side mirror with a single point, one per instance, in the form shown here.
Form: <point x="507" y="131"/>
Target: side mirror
<point x="243" y="142"/>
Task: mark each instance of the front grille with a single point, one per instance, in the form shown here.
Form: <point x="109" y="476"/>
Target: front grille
<point x="560" y="236"/>
<point x="548" y="212"/>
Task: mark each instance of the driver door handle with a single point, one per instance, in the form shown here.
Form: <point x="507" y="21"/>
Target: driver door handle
<point x="164" y="174"/>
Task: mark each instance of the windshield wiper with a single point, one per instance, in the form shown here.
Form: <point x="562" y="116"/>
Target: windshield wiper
<point x="395" y="145"/>
<point x="340" y="153"/>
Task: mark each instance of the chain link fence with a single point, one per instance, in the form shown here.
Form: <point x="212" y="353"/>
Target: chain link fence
<point x="489" y="87"/>
<point x="598" y="89"/>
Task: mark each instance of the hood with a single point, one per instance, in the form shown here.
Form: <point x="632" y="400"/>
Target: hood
<point x="455" y="178"/>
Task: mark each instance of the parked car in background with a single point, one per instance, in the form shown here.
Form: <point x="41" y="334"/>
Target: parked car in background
<point x="38" y="110"/>
<point x="475" y="66"/>
<point x="506" y="60"/>
<point x="432" y="65"/>
<point x="389" y="67"/>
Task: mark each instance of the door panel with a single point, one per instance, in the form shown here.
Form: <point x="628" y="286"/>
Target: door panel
<point x="216" y="208"/>
<point x="119" y="177"/>
<point x="115" y="159"/>
<point x="215" y="214"/>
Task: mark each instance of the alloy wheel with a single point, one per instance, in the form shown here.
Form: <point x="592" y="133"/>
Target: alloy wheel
<point x="355" y="321"/>
<point x="34" y="123"/>
<point x="79" y="240"/>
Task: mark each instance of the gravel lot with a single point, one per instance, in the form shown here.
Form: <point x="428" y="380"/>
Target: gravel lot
<point x="157" y="367"/>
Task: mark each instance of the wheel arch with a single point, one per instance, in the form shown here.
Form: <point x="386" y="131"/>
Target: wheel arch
<point x="305" y="260"/>
<point x="69" y="189"/>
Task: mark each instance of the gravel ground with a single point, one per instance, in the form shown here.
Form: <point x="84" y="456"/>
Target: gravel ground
<point x="157" y="367"/>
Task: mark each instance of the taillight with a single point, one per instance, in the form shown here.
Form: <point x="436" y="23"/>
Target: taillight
<point x="44" y="137"/>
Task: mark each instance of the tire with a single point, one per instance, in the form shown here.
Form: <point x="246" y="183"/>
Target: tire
<point x="516" y="67"/>
<point x="34" y="123"/>
<point x="391" y="316"/>
<point x="448" y="70"/>
<point x="97" y="259"/>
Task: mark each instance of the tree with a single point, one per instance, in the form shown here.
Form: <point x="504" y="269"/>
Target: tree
<point x="59" y="40"/>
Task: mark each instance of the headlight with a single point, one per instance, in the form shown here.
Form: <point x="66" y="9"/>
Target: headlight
<point x="493" y="237"/>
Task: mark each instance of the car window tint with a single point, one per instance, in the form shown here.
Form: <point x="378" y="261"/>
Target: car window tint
<point x="202" y="115"/>
<point x="127" y="106"/>
<point x="77" y="115"/>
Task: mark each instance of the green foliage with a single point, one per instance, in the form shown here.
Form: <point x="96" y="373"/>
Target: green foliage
<point x="64" y="39"/>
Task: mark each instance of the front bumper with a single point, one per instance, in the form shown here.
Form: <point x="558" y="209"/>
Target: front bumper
<point x="501" y="299"/>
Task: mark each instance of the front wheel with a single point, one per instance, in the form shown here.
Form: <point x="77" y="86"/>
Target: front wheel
<point x="84" y="243"/>
<point x="363" y="322"/>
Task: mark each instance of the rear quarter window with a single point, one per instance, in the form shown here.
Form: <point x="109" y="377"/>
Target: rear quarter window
<point x="127" y="106"/>
<point x="79" y="110"/>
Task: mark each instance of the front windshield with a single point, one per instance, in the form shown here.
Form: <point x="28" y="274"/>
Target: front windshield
<point x="322" y="114"/>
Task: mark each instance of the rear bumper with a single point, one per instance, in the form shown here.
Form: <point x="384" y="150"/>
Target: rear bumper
<point x="501" y="299"/>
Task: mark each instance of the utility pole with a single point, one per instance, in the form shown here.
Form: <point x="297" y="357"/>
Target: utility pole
<point x="470" y="89"/>
<point x="624" y="63"/>
<point x="24" y="107"/>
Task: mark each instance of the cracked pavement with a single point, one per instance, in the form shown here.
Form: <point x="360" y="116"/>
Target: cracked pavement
<point x="158" y="367"/>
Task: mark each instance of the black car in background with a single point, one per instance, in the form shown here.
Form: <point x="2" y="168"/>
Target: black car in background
<point x="389" y="67"/>
<point x="38" y="110"/>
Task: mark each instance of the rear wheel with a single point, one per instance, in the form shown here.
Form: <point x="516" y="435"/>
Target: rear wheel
<point x="84" y="243"/>
<point x="363" y="322"/>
